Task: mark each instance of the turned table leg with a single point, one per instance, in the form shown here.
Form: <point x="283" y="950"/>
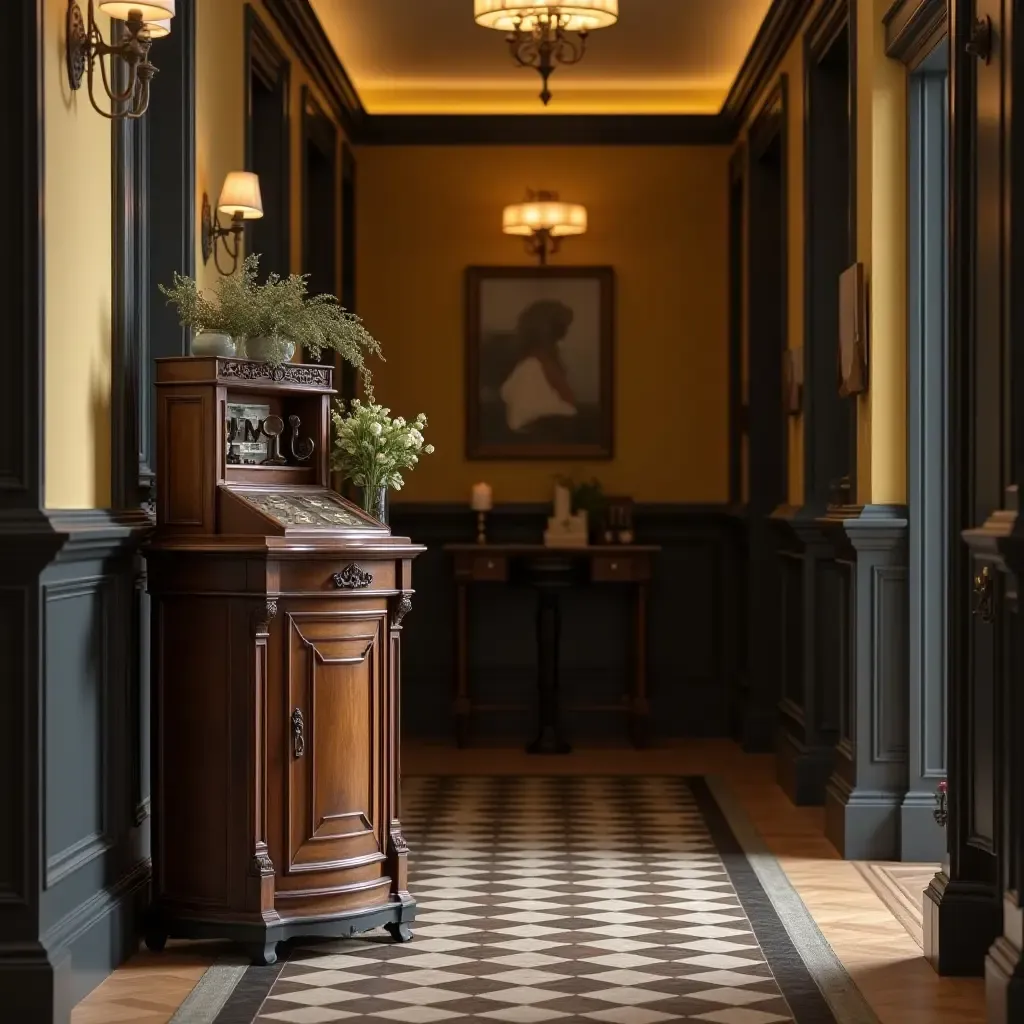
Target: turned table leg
<point x="639" y="712"/>
<point x="549" y="727"/>
<point x="462" y="668"/>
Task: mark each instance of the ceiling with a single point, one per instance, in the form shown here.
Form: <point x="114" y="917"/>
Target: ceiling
<point x="430" y="57"/>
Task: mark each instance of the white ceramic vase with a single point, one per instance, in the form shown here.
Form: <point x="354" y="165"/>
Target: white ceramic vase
<point x="263" y="349"/>
<point x="213" y="343"/>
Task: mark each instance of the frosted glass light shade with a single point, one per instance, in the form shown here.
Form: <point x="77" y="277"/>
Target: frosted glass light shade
<point x="159" y="29"/>
<point x="556" y="217"/>
<point x="241" y="194"/>
<point x="577" y="15"/>
<point x="151" y="10"/>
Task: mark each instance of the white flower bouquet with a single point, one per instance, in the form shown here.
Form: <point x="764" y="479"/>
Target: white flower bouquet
<point x="371" y="449"/>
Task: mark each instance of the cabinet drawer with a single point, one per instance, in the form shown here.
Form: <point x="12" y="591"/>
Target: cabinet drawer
<point x="340" y="576"/>
<point x="609" y="568"/>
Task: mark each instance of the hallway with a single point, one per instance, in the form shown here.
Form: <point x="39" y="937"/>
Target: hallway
<point x="500" y="844"/>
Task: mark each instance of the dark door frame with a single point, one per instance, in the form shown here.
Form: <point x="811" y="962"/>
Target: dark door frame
<point x="767" y="463"/>
<point x="347" y="381"/>
<point x="267" y="63"/>
<point x="830" y="422"/>
<point x="928" y="451"/>
<point x="320" y="132"/>
<point x="737" y="252"/>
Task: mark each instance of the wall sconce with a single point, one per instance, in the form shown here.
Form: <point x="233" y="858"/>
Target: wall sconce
<point x="240" y="197"/>
<point x="544" y="222"/>
<point x="145" y="20"/>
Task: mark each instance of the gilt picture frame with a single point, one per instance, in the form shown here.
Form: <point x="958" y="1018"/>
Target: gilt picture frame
<point x="539" y="362"/>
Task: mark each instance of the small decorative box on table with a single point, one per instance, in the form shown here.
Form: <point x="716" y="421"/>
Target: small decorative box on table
<point x="277" y="608"/>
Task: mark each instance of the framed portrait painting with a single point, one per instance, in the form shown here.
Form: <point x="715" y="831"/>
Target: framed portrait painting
<point x="539" y="362"/>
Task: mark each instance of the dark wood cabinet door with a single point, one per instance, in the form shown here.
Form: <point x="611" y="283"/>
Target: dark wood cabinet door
<point x="334" y="674"/>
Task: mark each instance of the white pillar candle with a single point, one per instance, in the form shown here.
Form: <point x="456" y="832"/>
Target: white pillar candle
<point x="481" y="500"/>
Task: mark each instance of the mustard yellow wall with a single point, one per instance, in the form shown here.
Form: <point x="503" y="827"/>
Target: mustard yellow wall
<point x="881" y="186"/>
<point x="658" y="215"/>
<point x="221" y="113"/>
<point x="77" y="281"/>
<point x="882" y="248"/>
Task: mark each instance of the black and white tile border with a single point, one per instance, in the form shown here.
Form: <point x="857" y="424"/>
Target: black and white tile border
<point x="626" y="900"/>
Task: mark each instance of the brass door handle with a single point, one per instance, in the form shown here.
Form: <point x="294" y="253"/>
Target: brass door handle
<point x="984" y="598"/>
<point x="298" y="733"/>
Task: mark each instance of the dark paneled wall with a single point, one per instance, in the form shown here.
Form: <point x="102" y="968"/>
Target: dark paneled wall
<point x="693" y="631"/>
<point x="75" y="745"/>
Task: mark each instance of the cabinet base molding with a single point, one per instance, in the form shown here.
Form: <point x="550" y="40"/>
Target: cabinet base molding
<point x="961" y="921"/>
<point x="259" y="940"/>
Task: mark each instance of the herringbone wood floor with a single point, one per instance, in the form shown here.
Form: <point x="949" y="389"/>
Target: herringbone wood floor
<point x="883" y="960"/>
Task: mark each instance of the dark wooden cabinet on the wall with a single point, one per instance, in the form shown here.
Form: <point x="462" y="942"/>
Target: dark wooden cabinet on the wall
<point x="277" y="610"/>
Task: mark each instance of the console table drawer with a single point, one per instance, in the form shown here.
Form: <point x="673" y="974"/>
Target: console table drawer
<point x="610" y="568"/>
<point x="489" y="567"/>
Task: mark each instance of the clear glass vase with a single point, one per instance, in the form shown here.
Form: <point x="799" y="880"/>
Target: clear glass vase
<point x="375" y="502"/>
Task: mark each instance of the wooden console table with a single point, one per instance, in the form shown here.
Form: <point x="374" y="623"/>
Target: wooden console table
<point x="550" y="570"/>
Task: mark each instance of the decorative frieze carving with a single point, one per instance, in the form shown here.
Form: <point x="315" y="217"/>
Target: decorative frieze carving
<point x="288" y="373"/>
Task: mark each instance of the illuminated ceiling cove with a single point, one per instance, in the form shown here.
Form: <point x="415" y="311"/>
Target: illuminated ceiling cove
<point x="430" y="57"/>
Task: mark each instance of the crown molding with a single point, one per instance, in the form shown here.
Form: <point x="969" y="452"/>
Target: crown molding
<point x="778" y="31"/>
<point x="305" y="35"/>
<point x="913" y="27"/>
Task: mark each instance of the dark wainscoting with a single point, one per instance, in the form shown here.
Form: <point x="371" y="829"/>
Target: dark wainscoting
<point x="694" y="635"/>
<point x="79" y="727"/>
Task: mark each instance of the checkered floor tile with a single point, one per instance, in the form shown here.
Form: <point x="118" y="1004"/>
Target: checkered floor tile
<point x="548" y="899"/>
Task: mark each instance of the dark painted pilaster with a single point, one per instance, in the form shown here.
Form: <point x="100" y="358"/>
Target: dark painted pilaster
<point x="865" y="792"/>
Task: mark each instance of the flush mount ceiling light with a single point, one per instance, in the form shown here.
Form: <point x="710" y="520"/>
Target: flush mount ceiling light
<point x="546" y="32"/>
<point x="144" y="21"/>
<point x="543" y="220"/>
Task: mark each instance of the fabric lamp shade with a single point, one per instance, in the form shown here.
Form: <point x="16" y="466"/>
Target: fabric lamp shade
<point x="151" y="10"/>
<point x="575" y="15"/>
<point x="159" y="29"/>
<point x="241" y="195"/>
<point x="556" y="217"/>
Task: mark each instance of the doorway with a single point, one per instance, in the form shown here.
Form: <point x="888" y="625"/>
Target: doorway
<point x="830" y="216"/>
<point x="319" y="202"/>
<point x="348" y="255"/>
<point x="767" y="465"/>
<point x="267" y="149"/>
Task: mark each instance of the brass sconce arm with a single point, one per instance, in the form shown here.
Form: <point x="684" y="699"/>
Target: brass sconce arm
<point x="86" y="48"/>
<point x="542" y="244"/>
<point x="215" y="235"/>
<point x="240" y="198"/>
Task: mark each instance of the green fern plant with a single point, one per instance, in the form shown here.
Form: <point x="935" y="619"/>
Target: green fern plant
<point x="280" y="309"/>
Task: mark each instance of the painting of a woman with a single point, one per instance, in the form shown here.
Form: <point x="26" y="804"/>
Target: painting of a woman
<point x="539" y="361"/>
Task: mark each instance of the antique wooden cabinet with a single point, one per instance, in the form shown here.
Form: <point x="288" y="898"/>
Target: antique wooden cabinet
<point x="276" y="614"/>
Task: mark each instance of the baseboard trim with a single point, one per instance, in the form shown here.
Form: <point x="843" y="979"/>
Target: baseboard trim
<point x="1004" y="982"/>
<point x="922" y="839"/>
<point x="861" y="824"/>
<point x="802" y="771"/>
<point x="101" y="933"/>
